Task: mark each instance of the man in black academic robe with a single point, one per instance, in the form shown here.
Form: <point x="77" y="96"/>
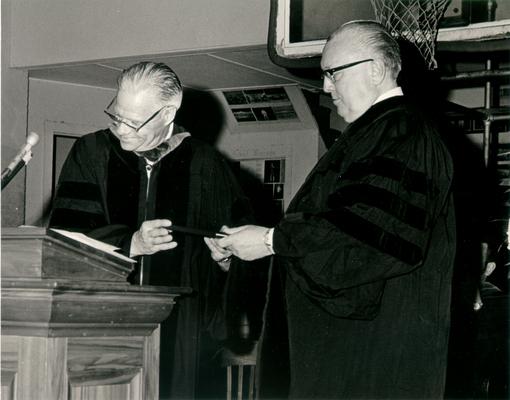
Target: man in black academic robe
<point x="359" y="297"/>
<point x="116" y="188"/>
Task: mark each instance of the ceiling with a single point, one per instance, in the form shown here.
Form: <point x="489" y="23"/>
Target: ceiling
<point x="219" y="69"/>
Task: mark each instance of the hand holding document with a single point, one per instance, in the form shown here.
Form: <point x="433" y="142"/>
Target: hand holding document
<point x="246" y="242"/>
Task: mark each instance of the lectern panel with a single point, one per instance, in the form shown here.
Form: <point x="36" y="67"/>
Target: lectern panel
<point x="72" y="327"/>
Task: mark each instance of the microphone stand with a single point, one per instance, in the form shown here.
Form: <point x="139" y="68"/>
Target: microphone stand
<point x="7" y="174"/>
<point x="21" y="159"/>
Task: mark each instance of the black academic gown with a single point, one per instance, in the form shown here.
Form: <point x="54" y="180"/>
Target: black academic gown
<point x="363" y="266"/>
<point x="103" y="192"/>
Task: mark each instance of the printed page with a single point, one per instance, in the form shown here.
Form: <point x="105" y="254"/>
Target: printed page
<point x="105" y="247"/>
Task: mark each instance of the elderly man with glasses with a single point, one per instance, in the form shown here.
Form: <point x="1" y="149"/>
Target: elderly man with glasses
<point x="125" y="186"/>
<point x="363" y="258"/>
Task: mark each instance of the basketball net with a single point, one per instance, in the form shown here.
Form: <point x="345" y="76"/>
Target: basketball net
<point x="413" y="20"/>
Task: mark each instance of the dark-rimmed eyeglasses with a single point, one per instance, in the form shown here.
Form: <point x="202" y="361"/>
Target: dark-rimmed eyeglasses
<point x="328" y="73"/>
<point x="116" y="120"/>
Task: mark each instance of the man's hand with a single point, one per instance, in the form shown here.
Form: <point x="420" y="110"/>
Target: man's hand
<point x="151" y="238"/>
<point x="245" y="242"/>
<point x="219" y="254"/>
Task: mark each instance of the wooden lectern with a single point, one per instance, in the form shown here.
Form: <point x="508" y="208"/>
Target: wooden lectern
<point x="72" y="327"/>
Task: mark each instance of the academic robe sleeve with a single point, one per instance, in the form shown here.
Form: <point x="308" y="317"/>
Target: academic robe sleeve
<point x="79" y="201"/>
<point x="375" y="221"/>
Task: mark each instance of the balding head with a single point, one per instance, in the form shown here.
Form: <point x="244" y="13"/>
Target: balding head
<point x="368" y="39"/>
<point x="144" y="108"/>
<point x="157" y="79"/>
<point x="361" y="61"/>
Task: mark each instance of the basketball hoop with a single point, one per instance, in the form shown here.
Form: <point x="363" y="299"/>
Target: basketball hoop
<point x="413" y="20"/>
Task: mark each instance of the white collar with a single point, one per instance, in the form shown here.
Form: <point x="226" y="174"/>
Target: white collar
<point x="396" y="91"/>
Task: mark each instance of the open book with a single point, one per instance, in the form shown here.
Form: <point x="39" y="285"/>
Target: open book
<point x="104" y="247"/>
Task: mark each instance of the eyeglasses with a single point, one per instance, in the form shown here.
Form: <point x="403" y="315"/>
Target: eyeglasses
<point x="328" y="73"/>
<point x="116" y="120"/>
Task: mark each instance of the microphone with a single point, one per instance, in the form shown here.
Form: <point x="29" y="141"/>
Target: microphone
<point x="21" y="159"/>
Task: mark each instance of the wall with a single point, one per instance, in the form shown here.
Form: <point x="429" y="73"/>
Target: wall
<point x="14" y="126"/>
<point x="62" y="31"/>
